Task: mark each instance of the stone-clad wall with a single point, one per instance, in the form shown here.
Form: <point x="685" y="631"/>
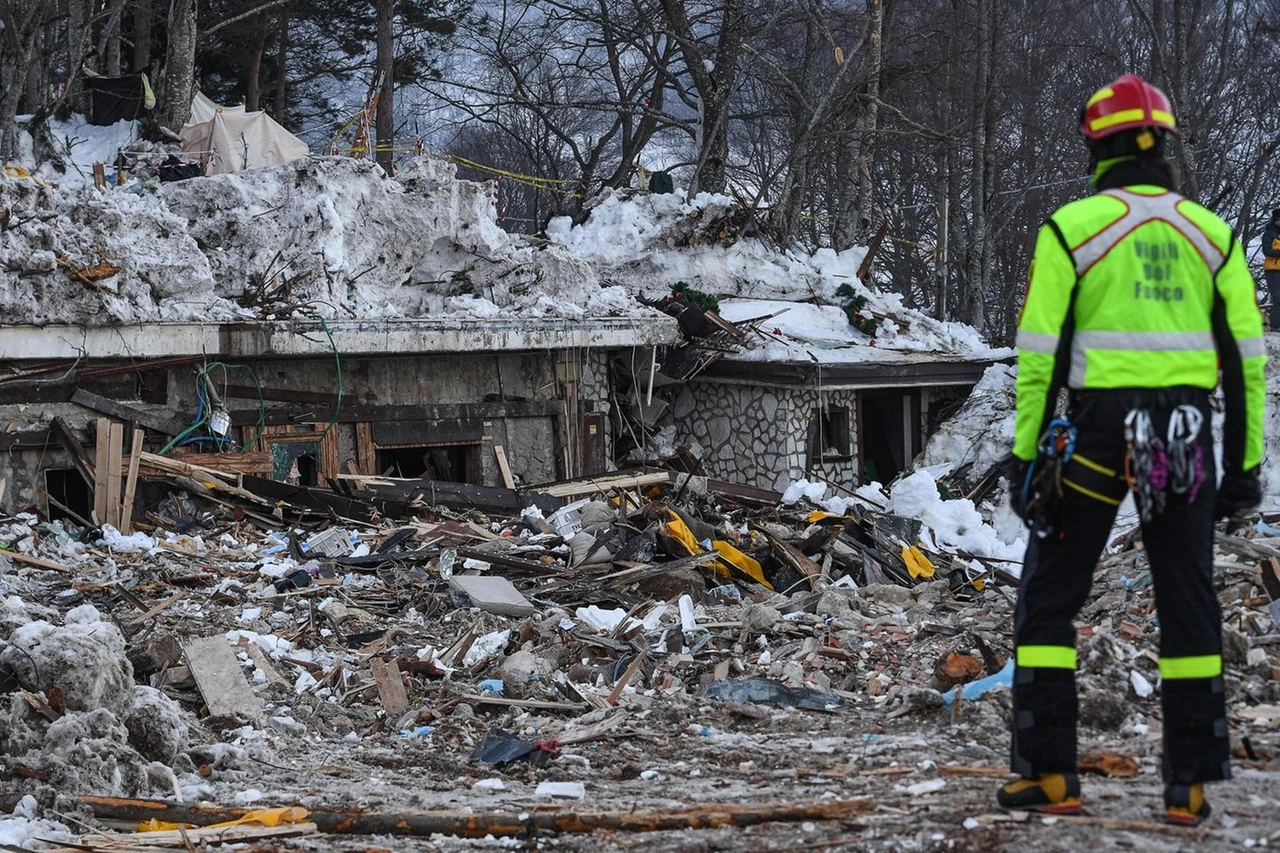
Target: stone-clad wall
<point x="757" y="436"/>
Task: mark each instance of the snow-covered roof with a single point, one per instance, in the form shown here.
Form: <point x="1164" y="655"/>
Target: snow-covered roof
<point x="650" y="244"/>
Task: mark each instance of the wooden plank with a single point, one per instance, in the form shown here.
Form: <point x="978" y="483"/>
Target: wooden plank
<point x="131" y="485"/>
<point x="500" y="453"/>
<point x="594" y="485"/>
<point x="220" y="679"/>
<point x="183" y="839"/>
<point x="366" y="451"/>
<point x="115" y="471"/>
<point x="101" y="449"/>
<point x="257" y="462"/>
<point x="158" y="608"/>
<point x="36" y="561"/>
<point x="150" y="420"/>
<point x="79" y="458"/>
<point x="390" y="687"/>
<point x="431" y="412"/>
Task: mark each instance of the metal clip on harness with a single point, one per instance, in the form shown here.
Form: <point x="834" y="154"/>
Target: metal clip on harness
<point x="1042" y="488"/>
<point x="1146" y="466"/>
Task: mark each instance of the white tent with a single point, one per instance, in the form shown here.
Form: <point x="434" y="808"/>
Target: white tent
<point x="228" y="139"/>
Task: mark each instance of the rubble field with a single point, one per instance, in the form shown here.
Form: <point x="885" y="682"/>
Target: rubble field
<point x="630" y="663"/>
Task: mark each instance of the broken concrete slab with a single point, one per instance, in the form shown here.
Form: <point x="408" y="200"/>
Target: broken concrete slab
<point x="220" y="679"/>
<point x="492" y="595"/>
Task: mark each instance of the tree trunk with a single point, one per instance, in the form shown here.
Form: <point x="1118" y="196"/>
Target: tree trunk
<point x="853" y="218"/>
<point x="79" y="41"/>
<point x="282" y="56"/>
<point x="252" y="92"/>
<point x="385" y="120"/>
<point x="24" y="21"/>
<point x="109" y="47"/>
<point x="715" y="85"/>
<point x="977" y="260"/>
<point x="178" y="86"/>
<point x="141" y="34"/>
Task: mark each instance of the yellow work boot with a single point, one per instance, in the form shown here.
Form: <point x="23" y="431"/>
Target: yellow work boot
<point x="1185" y="805"/>
<point x="1048" y="793"/>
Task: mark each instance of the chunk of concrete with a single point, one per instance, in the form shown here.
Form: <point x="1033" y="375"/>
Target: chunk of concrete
<point x="492" y="595"/>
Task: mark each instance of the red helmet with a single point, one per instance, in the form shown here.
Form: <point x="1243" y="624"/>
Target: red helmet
<point x="1125" y="104"/>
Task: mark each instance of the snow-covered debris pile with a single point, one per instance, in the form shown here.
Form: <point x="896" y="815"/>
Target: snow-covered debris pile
<point x="652" y="244"/>
<point x="79" y="720"/>
<point x="328" y="236"/>
<point x="956" y="524"/>
<point x="980" y="433"/>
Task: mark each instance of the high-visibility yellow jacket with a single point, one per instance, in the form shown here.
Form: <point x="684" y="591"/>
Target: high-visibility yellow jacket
<point x="1138" y="287"/>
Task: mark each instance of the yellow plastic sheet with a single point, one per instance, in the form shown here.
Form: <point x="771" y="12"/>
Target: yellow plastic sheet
<point x="261" y="817"/>
<point x="679" y="531"/>
<point x="747" y="565"/>
<point x="918" y="565"/>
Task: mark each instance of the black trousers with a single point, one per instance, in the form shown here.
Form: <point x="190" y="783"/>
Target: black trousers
<point x="1056" y="578"/>
<point x="1272" y="278"/>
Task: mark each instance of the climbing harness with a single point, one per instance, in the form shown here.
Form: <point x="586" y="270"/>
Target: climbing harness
<point x="1042" y="487"/>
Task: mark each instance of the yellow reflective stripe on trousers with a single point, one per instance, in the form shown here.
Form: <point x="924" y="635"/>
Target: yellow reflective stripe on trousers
<point x="1198" y="666"/>
<point x="1047" y="657"/>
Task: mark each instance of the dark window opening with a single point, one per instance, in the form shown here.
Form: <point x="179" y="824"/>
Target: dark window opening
<point x="65" y="486"/>
<point x="308" y="469"/>
<point x="830" y="435"/>
<point x="882" y="420"/>
<point x="452" y="463"/>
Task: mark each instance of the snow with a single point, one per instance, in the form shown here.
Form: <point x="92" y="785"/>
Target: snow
<point x="336" y="235"/>
<point x="26" y="831"/>
<point x="980" y="434"/>
<point x="955" y="524"/>
<point x="642" y="243"/>
<point x="82" y="144"/>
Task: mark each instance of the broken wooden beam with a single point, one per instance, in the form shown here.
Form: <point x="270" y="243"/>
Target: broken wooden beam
<point x="121" y="411"/>
<point x="355" y="821"/>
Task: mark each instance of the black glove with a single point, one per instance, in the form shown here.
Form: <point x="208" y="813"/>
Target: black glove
<point x="1239" y="493"/>
<point x="1015" y="471"/>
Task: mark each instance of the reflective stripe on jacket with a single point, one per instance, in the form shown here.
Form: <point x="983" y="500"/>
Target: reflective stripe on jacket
<point x="1162" y="298"/>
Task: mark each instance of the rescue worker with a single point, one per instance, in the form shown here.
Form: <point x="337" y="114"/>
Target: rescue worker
<point x="1136" y="297"/>
<point x="1271" y="267"/>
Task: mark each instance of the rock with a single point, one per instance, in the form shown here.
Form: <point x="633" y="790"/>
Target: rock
<point x="523" y="667"/>
<point x="1235" y="647"/>
<point x="155" y="725"/>
<point x="673" y="584"/>
<point x="759" y="618"/>
<point x="885" y="593"/>
<point x="836" y="601"/>
<point x="1103" y="709"/>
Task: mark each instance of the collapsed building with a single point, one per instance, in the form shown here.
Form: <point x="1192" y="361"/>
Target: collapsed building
<point x="316" y="321"/>
<point x="357" y="609"/>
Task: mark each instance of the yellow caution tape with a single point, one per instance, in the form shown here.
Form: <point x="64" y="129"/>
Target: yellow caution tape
<point x="260" y="817"/>
<point x="918" y="565"/>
